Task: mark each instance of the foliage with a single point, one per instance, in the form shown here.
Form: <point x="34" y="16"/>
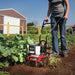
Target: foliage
<point x="30" y="24"/>
<point x="70" y="39"/>
<point x="14" y="49"/>
<point x="46" y="30"/>
<point x="4" y="73"/>
<point x="69" y="30"/>
<point x="32" y="30"/>
<point x="54" y="60"/>
<point x="4" y="64"/>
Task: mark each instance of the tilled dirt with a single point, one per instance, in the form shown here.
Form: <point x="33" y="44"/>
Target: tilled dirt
<point x="66" y="67"/>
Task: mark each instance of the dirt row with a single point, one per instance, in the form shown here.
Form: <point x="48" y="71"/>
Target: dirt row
<point x="66" y="67"/>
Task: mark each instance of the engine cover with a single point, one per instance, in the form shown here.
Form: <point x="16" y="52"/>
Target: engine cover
<point x="36" y="50"/>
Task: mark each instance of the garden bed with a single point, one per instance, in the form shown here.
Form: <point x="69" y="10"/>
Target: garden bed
<point x="66" y="67"/>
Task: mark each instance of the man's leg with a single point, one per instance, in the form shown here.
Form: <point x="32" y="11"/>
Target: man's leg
<point x="62" y="24"/>
<point x="54" y="36"/>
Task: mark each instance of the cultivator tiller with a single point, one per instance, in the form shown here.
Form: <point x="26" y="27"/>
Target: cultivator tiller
<point x="38" y="53"/>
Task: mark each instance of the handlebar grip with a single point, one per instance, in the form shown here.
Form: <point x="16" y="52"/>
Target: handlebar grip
<point x="44" y="22"/>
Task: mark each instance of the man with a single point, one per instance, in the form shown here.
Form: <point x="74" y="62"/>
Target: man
<point x="58" y="13"/>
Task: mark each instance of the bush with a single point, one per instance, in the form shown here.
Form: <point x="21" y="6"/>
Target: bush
<point x="14" y="49"/>
<point x="46" y="30"/>
<point x="69" y="30"/>
<point x="33" y="30"/>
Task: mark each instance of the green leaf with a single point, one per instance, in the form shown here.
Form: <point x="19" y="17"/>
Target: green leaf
<point x="30" y="41"/>
<point x="54" y="60"/>
<point x="1" y="64"/>
<point x="6" y="64"/>
<point x="4" y="73"/>
<point x="21" y="57"/>
<point x="15" y="58"/>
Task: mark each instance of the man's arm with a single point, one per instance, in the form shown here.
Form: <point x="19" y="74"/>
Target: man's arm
<point x="67" y="9"/>
<point x="49" y="11"/>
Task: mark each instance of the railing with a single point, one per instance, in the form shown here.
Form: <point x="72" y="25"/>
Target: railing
<point x="8" y="28"/>
<point x="39" y="28"/>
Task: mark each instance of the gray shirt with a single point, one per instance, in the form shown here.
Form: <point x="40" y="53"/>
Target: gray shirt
<point x="57" y="8"/>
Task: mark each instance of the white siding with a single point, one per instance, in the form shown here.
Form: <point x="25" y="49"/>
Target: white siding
<point x="12" y="21"/>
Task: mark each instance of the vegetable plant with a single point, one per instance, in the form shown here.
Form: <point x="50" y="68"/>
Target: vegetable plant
<point x="14" y="50"/>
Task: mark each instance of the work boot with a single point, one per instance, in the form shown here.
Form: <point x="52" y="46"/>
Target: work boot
<point x="65" y="55"/>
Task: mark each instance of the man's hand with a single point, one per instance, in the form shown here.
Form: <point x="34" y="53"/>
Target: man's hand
<point x="65" y="17"/>
<point x="47" y="19"/>
<point x="67" y="9"/>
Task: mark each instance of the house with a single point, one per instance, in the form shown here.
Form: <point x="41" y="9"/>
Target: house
<point x="14" y="18"/>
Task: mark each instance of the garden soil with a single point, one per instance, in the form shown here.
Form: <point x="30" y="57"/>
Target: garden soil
<point x="65" y="67"/>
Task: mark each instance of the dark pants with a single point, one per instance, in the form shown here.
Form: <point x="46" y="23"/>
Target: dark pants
<point x="61" y="24"/>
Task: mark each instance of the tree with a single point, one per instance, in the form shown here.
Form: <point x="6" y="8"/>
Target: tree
<point x="30" y="24"/>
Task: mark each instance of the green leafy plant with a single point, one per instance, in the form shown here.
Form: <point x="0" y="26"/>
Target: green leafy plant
<point x="54" y="60"/>
<point x="4" y="64"/>
<point x="15" y="49"/>
<point x="4" y="73"/>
